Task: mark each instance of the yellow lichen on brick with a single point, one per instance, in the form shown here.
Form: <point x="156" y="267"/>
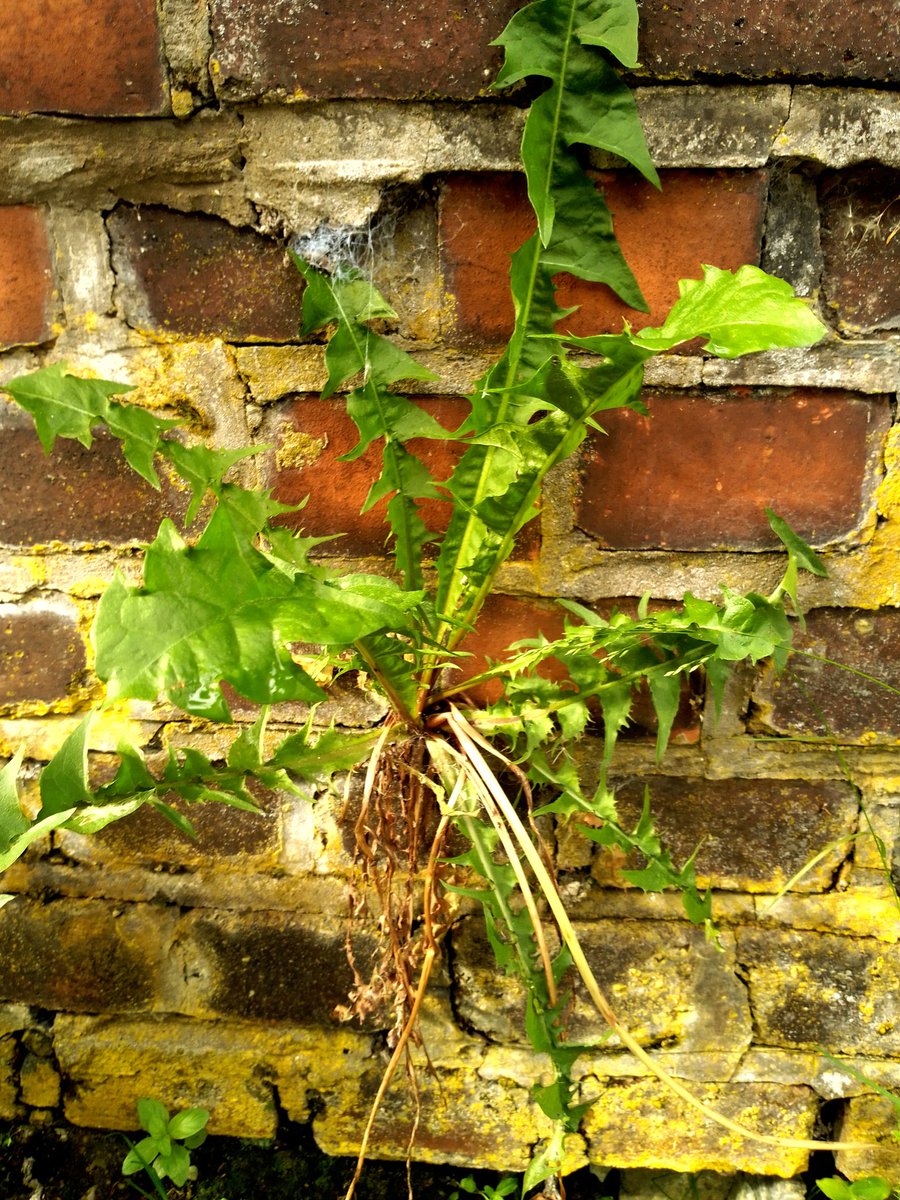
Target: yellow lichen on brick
<point x="297" y="450"/>
<point x="874" y="576"/>
<point x="641" y="1124"/>
<point x="870" y="1119"/>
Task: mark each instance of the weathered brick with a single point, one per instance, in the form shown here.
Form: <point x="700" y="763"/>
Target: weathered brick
<point x="768" y="39"/>
<point x="193" y="275"/>
<point x="306" y="49"/>
<point x="870" y="1119"/>
<point x="110" y="1062"/>
<point x="484" y="219"/>
<point x="700" y="471"/>
<point x="73" y="495"/>
<point x="26" y="278"/>
<point x="311" y="435"/>
<point x="83" y="956"/>
<point x="41" y="652"/>
<point x="270" y="966"/>
<point x="9" y="1090"/>
<point x="458" y="1116"/>
<point x="752" y="834"/>
<point x="817" y="989"/>
<point x="39" y="1082"/>
<point x="641" y="1124"/>
<point x="861" y="244"/>
<point x="225" y="836"/>
<point x="663" y="979"/>
<point x="819" y="698"/>
<point x="97" y="58"/>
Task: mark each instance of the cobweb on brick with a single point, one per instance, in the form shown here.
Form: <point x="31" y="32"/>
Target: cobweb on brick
<point x="345" y="250"/>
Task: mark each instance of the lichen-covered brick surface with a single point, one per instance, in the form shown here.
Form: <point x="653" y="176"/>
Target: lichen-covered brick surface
<point x="156" y="160"/>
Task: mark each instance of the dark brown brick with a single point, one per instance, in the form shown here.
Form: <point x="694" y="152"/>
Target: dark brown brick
<point x="90" y="57"/>
<point x="272" y="967"/>
<point x="820" y="699"/>
<point x="26" y="278"/>
<point x="41" y="653"/>
<point x="312" y="435"/>
<point x="82" y="956"/>
<point x="753" y="834"/>
<point x="861" y="244"/>
<point x="225" y="835"/>
<point x="328" y="48"/>
<point x="74" y="495"/>
<point x="700" y="217"/>
<point x="699" y="472"/>
<point x="769" y="39"/>
<point x="195" y="275"/>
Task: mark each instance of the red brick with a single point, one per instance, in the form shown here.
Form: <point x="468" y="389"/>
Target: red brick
<point x="700" y="217"/>
<point x="769" y="39"/>
<point x="196" y="275"/>
<point x="504" y="620"/>
<point x="861" y="244"/>
<point x="328" y="48"/>
<point x="74" y="495"/>
<point x="699" y="472"/>
<point x="26" y="279"/>
<point x="338" y="490"/>
<point x="818" y="699"/>
<point x="90" y="57"/>
<point x="83" y="956"/>
<point x="753" y="834"/>
<point x="41" y="654"/>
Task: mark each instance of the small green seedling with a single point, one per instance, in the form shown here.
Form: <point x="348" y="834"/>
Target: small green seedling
<point x="505" y="1187"/>
<point x="873" y="1187"/>
<point x="165" y="1151"/>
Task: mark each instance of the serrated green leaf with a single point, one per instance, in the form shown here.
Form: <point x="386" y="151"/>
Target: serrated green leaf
<point x="665" y="691"/>
<point x="179" y="820"/>
<point x="384" y="415"/>
<point x="806" y="557"/>
<point x="737" y="312"/>
<point x="63" y="405"/>
<point x="64" y="780"/>
<point x="220" y="611"/>
<point x="13" y="822"/>
<point x="139" y="431"/>
<point x="542" y="40"/>
<point x="34" y="831"/>
<point x="315" y="757"/>
<point x="616" y="30"/>
<point x="93" y="818"/>
<point x="203" y="468"/>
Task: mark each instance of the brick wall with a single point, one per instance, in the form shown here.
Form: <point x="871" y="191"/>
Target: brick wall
<point x="150" y="249"/>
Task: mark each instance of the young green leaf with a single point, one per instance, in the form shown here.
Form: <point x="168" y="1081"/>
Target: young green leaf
<point x="64" y="780"/>
<point x="13" y="822"/>
<point x="737" y="312"/>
